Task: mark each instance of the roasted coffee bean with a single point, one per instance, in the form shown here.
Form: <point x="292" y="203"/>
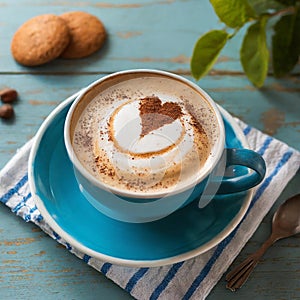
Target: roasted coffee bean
<point x="8" y="95"/>
<point x="6" y="111"/>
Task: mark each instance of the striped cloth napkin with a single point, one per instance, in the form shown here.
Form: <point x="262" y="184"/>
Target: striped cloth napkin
<point x="191" y="279"/>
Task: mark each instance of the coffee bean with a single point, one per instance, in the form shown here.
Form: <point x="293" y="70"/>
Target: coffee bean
<point x="6" y="111"/>
<point x="8" y="95"/>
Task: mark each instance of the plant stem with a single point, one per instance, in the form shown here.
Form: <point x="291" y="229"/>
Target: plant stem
<point x="236" y="30"/>
<point x="288" y="10"/>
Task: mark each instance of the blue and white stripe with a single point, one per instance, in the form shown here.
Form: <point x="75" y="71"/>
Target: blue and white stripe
<point x="192" y="279"/>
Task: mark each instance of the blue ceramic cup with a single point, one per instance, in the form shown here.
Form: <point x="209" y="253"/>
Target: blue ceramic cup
<point x="145" y="143"/>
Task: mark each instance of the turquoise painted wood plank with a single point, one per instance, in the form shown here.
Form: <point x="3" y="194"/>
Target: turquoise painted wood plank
<point x="140" y="41"/>
<point x="153" y="33"/>
<point x="277" y="274"/>
<point x="34" y="266"/>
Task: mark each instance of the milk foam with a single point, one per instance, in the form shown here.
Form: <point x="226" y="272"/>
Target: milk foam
<point x="107" y="137"/>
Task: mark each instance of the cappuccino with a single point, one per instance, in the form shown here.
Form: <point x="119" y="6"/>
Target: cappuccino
<point x="143" y="133"/>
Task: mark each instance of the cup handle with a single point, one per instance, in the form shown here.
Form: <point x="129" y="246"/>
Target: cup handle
<point x="239" y="183"/>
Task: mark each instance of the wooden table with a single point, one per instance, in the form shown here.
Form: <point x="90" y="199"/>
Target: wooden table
<point x="141" y="34"/>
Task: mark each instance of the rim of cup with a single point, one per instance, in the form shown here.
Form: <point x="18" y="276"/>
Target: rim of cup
<point x="205" y="170"/>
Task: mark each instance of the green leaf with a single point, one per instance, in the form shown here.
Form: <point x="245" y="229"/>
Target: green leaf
<point x="286" y="44"/>
<point x="254" y="53"/>
<point x="206" y="52"/>
<point x="234" y="13"/>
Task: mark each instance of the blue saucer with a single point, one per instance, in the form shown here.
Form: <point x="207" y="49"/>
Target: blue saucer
<point x="181" y="235"/>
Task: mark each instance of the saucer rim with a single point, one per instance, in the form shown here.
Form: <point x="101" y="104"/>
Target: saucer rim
<point x="117" y="260"/>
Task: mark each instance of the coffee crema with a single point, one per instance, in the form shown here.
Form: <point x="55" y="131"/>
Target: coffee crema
<point x="144" y="135"/>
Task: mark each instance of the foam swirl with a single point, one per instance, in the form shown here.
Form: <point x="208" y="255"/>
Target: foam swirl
<point x="135" y="141"/>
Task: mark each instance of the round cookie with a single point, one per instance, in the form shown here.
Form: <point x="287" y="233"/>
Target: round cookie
<point x="87" y="34"/>
<point x="40" y="40"/>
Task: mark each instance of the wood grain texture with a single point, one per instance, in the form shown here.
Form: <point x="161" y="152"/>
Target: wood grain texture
<point x="141" y="34"/>
<point x="34" y="266"/>
<point x="277" y="274"/>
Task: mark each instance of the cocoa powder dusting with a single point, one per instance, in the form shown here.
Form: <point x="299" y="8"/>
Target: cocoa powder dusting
<point x="194" y="120"/>
<point x="154" y="114"/>
<point x="104" y="168"/>
<point x="197" y="125"/>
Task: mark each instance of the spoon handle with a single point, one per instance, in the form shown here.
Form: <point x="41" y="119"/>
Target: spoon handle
<point x="238" y="276"/>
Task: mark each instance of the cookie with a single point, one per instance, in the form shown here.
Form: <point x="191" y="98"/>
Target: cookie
<point x="40" y="40"/>
<point x="87" y="34"/>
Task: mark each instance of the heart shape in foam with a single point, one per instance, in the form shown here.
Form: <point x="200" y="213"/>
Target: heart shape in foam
<point x="154" y="114"/>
